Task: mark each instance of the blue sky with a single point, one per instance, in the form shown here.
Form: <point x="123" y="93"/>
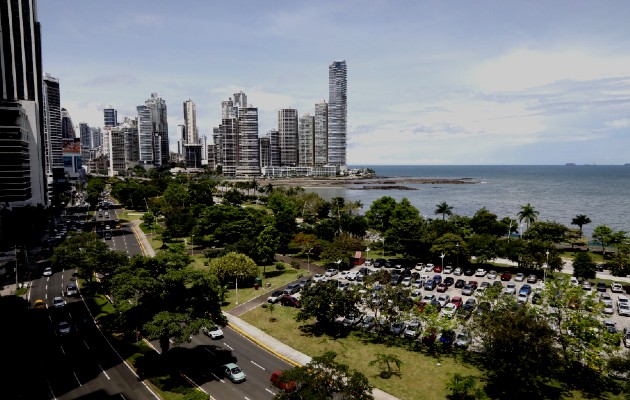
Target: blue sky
<point x="429" y="82"/>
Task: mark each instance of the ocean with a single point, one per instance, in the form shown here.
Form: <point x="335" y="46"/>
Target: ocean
<point x="557" y="192"/>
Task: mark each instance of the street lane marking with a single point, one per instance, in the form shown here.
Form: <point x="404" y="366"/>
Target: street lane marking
<point x="86" y="345"/>
<point x="219" y="379"/>
<point x="228" y="346"/>
<point x="259" y="366"/>
<point x="104" y="373"/>
<point x="270" y="391"/>
<point x="77" y="378"/>
<point x="210" y="351"/>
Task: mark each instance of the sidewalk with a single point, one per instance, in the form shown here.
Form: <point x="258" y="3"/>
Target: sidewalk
<point x="567" y="268"/>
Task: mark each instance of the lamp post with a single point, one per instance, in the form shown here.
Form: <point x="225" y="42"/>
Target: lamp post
<point x="457" y="245"/>
<point x="308" y="258"/>
<point x="236" y="286"/>
<point x="545" y="267"/>
<point x="442" y="257"/>
<point x="383" y="246"/>
<point x="338" y="262"/>
<point x="367" y="250"/>
<point x="192" y="245"/>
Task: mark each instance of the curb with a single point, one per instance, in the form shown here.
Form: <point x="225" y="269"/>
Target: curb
<point x="264" y="346"/>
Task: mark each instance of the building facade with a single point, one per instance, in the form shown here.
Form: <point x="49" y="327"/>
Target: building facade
<point x="337" y="113"/>
<point x="321" y="134"/>
<point x="190" y="122"/>
<point x="306" y="141"/>
<point x="288" y="136"/>
<point x="110" y="116"/>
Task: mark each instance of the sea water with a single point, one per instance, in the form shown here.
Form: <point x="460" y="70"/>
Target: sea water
<point x="558" y="192"/>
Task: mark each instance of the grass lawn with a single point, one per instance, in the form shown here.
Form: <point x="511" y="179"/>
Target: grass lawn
<point x="422" y="375"/>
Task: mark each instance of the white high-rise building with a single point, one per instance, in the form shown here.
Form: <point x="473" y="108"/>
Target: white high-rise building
<point x="321" y="134"/>
<point x="337" y="113"/>
<point x="288" y="131"/>
<point x="306" y="139"/>
<point x="190" y="122"/>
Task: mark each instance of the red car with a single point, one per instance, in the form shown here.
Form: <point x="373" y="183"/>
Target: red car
<point x="474" y="284"/>
<point x="286" y="387"/>
<point x="506" y="276"/>
<point x="288" y="300"/>
<point x="437" y="269"/>
<point x="457" y="301"/>
<point x="441" y="288"/>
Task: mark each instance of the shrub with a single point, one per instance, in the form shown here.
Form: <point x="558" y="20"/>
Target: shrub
<point x="280" y="266"/>
<point x="295" y="264"/>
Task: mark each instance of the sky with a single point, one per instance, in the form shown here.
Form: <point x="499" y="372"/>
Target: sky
<point x="482" y="82"/>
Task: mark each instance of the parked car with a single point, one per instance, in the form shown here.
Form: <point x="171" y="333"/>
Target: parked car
<point x="462" y="339"/>
<point x="397" y="328"/>
<point x="213" y="332"/>
<point x="351" y="320"/>
<point x="605" y="298"/>
<point x="616" y="287"/>
<point x="449" y="310"/>
<point x="437" y="279"/>
<point x="428" y="267"/>
<point x="510" y="288"/>
<point x="601" y="286"/>
<point x="447" y="337"/>
<point x="449" y="281"/>
<point x="532" y="278"/>
<point x="520" y="277"/>
<point x="469" y="272"/>
<point x="480" y="273"/>
<point x="406" y="281"/>
<point x="536" y="298"/>
<point x="437" y="269"/>
<point x="608" y="309"/>
<point x="234" y="373"/>
<point x="292" y="288"/>
<point x="457" y="271"/>
<point x="443" y="299"/>
<point x="285" y="386"/>
<point x="419" y="266"/>
<point x="367" y="323"/>
<point x="290" y="301"/>
<point x="460" y="283"/>
<point x="457" y="301"/>
<point x="506" y="276"/>
<point x="418" y="283"/>
<point x="492" y="274"/>
<point x="413" y="329"/>
<point x="318" y="278"/>
<point x="275" y="296"/>
<point x="626" y="336"/>
<point x="331" y="272"/>
<point x="343" y="274"/>
<point x="525" y="289"/>
<point x="441" y="288"/>
<point x="352" y="275"/>
<point x="522" y="298"/>
<point x="448" y="269"/>
<point x="468" y="290"/>
<point x="470" y="303"/>
<point x="429" y="285"/>
<point x="586" y="285"/>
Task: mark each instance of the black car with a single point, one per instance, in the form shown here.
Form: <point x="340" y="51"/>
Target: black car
<point x="378" y="263"/>
<point x="449" y="281"/>
<point x="469" y="272"/>
<point x="388" y="264"/>
<point x="460" y="283"/>
<point x="447" y="337"/>
<point x="396" y="279"/>
<point x="601" y="287"/>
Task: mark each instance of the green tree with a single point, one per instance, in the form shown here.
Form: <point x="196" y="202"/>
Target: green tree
<point x="232" y="266"/>
<point x="483" y="247"/>
<point x="580" y="220"/>
<point x="603" y="234"/>
<point x="583" y="266"/>
<point x="528" y="214"/>
<point x="619" y="264"/>
<point x="380" y="213"/>
<point x="324" y="378"/>
<point x="325" y="303"/>
<point x="462" y="388"/>
<point x="547" y="231"/>
<point x="444" y="209"/>
<point x="485" y="222"/>
<point x="385" y="363"/>
<point x="234" y="197"/>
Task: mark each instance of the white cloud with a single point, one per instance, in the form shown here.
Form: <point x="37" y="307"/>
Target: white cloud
<point x="619" y="123"/>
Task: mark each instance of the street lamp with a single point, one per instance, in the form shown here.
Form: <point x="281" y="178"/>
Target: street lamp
<point x="308" y="258"/>
<point x="457" y="245"/>
<point x="383" y="246"/>
<point x="338" y="262"/>
<point x="192" y="245"/>
<point x="236" y="283"/>
<point x="545" y="268"/>
<point x="367" y="250"/>
<point x="442" y="257"/>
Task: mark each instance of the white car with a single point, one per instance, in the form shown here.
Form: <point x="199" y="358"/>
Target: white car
<point x="344" y="274"/>
<point x="406" y="281"/>
<point x="318" y="277"/>
<point x="480" y="273"/>
<point x="608" y="309"/>
<point x="428" y="268"/>
<point x="522" y="298"/>
<point x="330" y="273"/>
<point x="520" y="277"/>
<point x="622" y="300"/>
<point x="574" y="281"/>
<point x="623" y="310"/>
<point x="458" y="271"/>
<point x="492" y="274"/>
<point x="59" y="302"/>
<point x="213" y="332"/>
<point x="48" y="271"/>
<point x="448" y="269"/>
<point x="352" y="275"/>
<point x="510" y="288"/>
<point x="449" y="310"/>
<point x="444" y="299"/>
<point x="616" y="287"/>
<point x="415" y="294"/>
<point x="418" y="283"/>
<point x="606" y="299"/>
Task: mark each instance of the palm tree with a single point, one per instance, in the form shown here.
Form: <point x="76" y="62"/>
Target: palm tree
<point x="580" y="220"/>
<point x="444" y="209"/>
<point x="384" y="362"/>
<point x="528" y="213"/>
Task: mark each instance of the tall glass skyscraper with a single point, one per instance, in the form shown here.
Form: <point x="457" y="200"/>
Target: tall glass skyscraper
<point x="337" y="113"/>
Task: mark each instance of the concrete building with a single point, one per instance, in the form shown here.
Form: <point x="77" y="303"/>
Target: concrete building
<point x="22" y="143"/>
<point x="67" y="128"/>
<point x="248" y="146"/>
<point x="306" y="141"/>
<point x="190" y="122"/>
<point x="288" y="135"/>
<point x="145" y="137"/>
<point x="55" y="176"/>
<point x="159" y="127"/>
<point x="337" y="113"/>
<point x="321" y="134"/>
<point x="110" y="116"/>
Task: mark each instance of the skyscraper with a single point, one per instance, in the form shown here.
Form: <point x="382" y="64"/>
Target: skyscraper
<point x="248" y="145"/>
<point x="306" y="136"/>
<point x="159" y="125"/>
<point x="288" y="131"/>
<point x="145" y="136"/>
<point x="321" y="134"/>
<point x="22" y="165"/>
<point x="337" y="113"/>
<point x="190" y="122"/>
<point x="67" y="128"/>
<point x="110" y="116"/>
<point x="52" y="127"/>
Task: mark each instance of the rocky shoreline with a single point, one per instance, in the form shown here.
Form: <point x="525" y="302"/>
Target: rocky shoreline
<point x="372" y="183"/>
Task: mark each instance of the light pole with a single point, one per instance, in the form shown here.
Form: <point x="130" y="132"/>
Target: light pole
<point x="442" y="257"/>
<point x="192" y="245"/>
<point x="338" y="262"/>
<point x="457" y="245"/>
<point x="383" y="246"/>
<point x="367" y="250"/>
<point x="545" y="267"/>
<point x="308" y="258"/>
<point x="236" y="283"/>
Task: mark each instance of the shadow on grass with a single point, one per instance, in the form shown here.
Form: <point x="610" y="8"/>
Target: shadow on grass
<point x="334" y="330"/>
<point x="590" y="383"/>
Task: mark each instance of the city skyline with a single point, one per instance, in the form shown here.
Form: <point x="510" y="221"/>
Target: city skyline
<point x="429" y="83"/>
